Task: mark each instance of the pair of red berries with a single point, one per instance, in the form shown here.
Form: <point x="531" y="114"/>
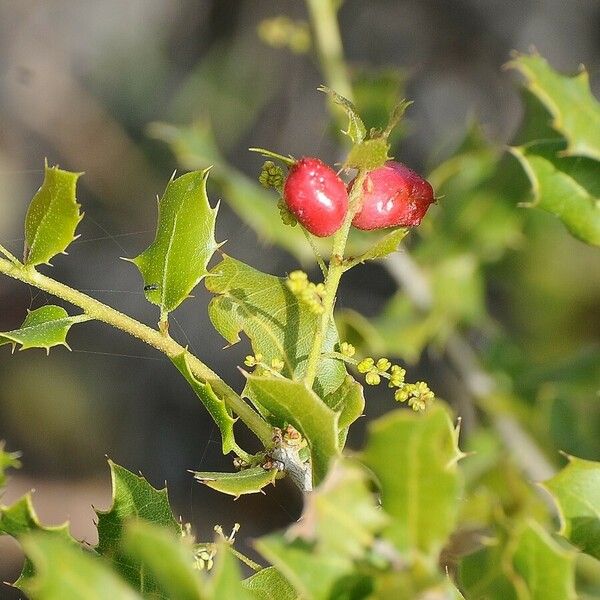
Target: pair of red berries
<point x="393" y="196"/>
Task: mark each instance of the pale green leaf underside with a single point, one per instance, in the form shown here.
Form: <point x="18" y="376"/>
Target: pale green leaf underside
<point x="576" y="491"/>
<point x="568" y="187"/>
<point x="215" y="406"/>
<point x="178" y="258"/>
<point x="247" y="481"/>
<point x="292" y="402"/>
<point x="43" y="327"/>
<point x="269" y="584"/>
<point x="575" y="111"/>
<point x="349" y="402"/>
<point x="133" y="498"/>
<point x="547" y="570"/>
<point x="67" y="572"/>
<point x="385" y="246"/>
<point x="414" y="458"/>
<point x="276" y="322"/>
<point x="52" y="216"/>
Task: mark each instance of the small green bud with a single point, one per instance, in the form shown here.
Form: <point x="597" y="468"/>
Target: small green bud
<point x="372" y="377"/>
<point x="348" y="350"/>
<point x="383" y="364"/>
<point x="250" y="361"/>
<point x="277" y="364"/>
<point x="402" y="394"/>
<point x="297" y="282"/>
<point x="287" y="218"/>
<point x="365" y="365"/>
<point x="271" y="176"/>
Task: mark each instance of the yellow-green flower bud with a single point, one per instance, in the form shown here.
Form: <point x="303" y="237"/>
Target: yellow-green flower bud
<point x="250" y="361"/>
<point x="347" y="349"/>
<point x="372" y="377"/>
<point x="365" y="365"/>
<point x="277" y="364"/>
<point x="383" y="364"/>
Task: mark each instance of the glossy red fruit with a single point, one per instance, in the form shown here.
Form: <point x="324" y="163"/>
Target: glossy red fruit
<point x="316" y="196"/>
<point x="394" y="196"/>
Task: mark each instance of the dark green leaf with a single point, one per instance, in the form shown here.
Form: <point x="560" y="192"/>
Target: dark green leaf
<point x="67" y="572"/>
<point x="52" y="217"/>
<point x="414" y="458"/>
<point x="215" y="406"/>
<point x="133" y="498"/>
<point x="576" y="491"/>
<point x="575" y="111"/>
<point x="167" y="558"/>
<point x="276" y="322"/>
<point x="292" y="402"/>
<point x="247" y="481"/>
<point x="269" y="584"/>
<point x="177" y="260"/>
<point x="568" y="187"/>
<point x="43" y="327"/>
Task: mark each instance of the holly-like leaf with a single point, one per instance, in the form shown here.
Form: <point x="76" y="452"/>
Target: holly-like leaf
<point x="269" y="584"/>
<point x="566" y="186"/>
<point x="385" y="246"/>
<point x="575" y="111"/>
<point x="247" y="481"/>
<point x="215" y="406"/>
<point x="414" y="458"/>
<point x="349" y="401"/>
<point x="356" y="130"/>
<point x="226" y="580"/>
<point x="177" y="260"/>
<point x="292" y="402"/>
<point x="8" y="460"/>
<point x="276" y="322"/>
<point x="576" y="491"/>
<point x="547" y="570"/>
<point x="133" y="498"/>
<point x="19" y="520"/>
<point x="43" y="327"/>
<point x="52" y="217"/>
<point x="167" y="558"/>
<point x="68" y="572"/>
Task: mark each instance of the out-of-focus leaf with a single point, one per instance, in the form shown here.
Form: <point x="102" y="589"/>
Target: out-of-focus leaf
<point x="247" y="481"/>
<point x="349" y="401"/>
<point x="67" y="572"/>
<point x="226" y="580"/>
<point x="8" y="460"/>
<point x="414" y="458"/>
<point x="278" y="325"/>
<point x="576" y="491"/>
<point x="19" y="520"/>
<point x="292" y="402"/>
<point x="566" y="186"/>
<point x="547" y="570"/>
<point x="383" y="247"/>
<point x="177" y="260"/>
<point x="575" y="111"/>
<point x="167" y="558"/>
<point x="408" y="585"/>
<point x="213" y="404"/>
<point x="269" y="584"/>
<point x="133" y="498"/>
<point x="52" y="217"/>
<point x="44" y="327"/>
<point x="356" y="129"/>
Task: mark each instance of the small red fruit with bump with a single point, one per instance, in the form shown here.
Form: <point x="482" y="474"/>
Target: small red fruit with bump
<point x="394" y="196"/>
<point x="316" y="196"/>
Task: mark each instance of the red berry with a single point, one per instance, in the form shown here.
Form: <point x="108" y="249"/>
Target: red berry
<point x="394" y="196"/>
<point x="316" y="196"/>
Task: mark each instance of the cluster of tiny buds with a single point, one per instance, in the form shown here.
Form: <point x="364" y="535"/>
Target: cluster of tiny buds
<point x="257" y="361"/>
<point x="271" y="176"/>
<point x="309" y="293"/>
<point x="204" y="554"/>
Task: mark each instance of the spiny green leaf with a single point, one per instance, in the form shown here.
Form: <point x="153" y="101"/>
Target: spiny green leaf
<point x="269" y="584"/>
<point x="349" y="401"/>
<point x="575" y="111"/>
<point x="52" y="217"/>
<point x="369" y="154"/>
<point x="133" y="497"/>
<point x="414" y="458"/>
<point x="547" y="570"/>
<point x="276" y="322"/>
<point x="226" y="580"/>
<point x="576" y="491"/>
<point x="177" y="260"/>
<point x="215" y="406"/>
<point x="67" y="572"/>
<point x="167" y="558"/>
<point x="247" y="481"/>
<point x="386" y="245"/>
<point x="568" y="187"/>
<point x="43" y="327"/>
<point x="292" y="402"/>
<point x="20" y="519"/>
<point x="8" y="460"/>
<point x="356" y="130"/>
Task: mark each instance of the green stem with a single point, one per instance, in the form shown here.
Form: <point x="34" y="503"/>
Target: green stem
<point x="165" y="344"/>
<point x="316" y="252"/>
<point x="332" y="281"/>
<point x="328" y="42"/>
<point x="13" y="259"/>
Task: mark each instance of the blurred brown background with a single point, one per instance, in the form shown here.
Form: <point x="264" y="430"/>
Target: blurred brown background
<point x="79" y="83"/>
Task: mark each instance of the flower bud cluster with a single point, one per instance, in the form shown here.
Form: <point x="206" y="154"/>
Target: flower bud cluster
<point x="308" y="293"/>
<point x="257" y="360"/>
